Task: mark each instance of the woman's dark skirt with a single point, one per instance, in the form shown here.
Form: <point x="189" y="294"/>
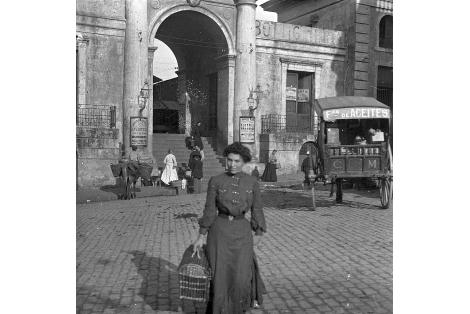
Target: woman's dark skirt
<point x="269" y="174"/>
<point x="234" y="268"/>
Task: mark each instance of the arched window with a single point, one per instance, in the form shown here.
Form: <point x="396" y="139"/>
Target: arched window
<point x="386" y="32"/>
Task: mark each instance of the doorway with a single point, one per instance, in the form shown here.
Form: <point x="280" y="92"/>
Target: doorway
<point x="300" y="92"/>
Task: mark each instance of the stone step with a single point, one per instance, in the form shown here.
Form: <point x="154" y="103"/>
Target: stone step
<point x="211" y="164"/>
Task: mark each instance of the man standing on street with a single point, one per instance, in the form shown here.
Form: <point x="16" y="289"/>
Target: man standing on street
<point x="308" y="166"/>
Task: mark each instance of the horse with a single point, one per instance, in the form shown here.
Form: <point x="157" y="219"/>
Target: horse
<point x="130" y="179"/>
<point x="130" y="176"/>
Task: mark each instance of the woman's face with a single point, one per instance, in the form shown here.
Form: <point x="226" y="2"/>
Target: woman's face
<point x="234" y="163"/>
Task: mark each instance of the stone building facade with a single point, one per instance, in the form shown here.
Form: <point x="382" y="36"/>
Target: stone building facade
<point x="367" y="26"/>
<point x="224" y="53"/>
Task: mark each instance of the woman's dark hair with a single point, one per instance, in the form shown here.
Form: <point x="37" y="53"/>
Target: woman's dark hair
<point x="239" y="149"/>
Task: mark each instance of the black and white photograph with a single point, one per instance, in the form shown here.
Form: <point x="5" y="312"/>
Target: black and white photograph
<point x="234" y="156"/>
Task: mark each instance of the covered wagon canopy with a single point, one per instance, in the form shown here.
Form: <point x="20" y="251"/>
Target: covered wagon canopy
<point x="351" y="107"/>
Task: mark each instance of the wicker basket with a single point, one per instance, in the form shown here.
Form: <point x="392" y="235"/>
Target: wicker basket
<point x="145" y="171"/>
<point x="176" y="184"/>
<point x="194" y="276"/>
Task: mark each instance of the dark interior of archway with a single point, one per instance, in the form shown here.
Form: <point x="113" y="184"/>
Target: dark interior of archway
<point x="196" y="41"/>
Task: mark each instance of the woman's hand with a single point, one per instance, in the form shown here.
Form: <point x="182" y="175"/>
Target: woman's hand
<point x="197" y="245"/>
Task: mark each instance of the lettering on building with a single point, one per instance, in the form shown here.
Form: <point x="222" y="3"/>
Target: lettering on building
<point x="296" y="33"/>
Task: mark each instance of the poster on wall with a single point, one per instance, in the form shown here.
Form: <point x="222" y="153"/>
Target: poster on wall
<point x="247" y="129"/>
<point x="303" y="95"/>
<point x="291" y="93"/>
<point x="139" y="131"/>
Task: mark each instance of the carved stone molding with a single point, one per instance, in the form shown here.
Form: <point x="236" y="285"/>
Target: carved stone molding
<point x="81" y="39"/>
<point x="194" y="3"/>
<point x="156" y="4"/>
<point x="301" y="61"/>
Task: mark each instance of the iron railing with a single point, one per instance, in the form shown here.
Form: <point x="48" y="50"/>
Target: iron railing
<point x="276" y="123"/>
<point x="96" y="116"/>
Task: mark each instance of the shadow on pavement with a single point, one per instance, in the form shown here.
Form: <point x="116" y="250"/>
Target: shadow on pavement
<point x="118" y="188"/>
<point x="89" y="298"/>
<point x="160" y="288"/>
<point x="299" y="200"/>
<point x="186" y="215"/>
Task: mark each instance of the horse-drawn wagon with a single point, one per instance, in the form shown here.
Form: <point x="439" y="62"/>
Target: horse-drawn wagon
<point x="354" y="143"/>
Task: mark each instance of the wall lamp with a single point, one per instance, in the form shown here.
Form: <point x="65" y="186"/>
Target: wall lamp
<point x="252" y="99"/>
<point x="144" y="95"/>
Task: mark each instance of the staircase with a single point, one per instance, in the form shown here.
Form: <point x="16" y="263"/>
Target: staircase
<point x="176" y="142"/>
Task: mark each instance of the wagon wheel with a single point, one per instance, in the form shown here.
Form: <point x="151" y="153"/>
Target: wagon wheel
<point x="385" y="192"/>
<point x="129" y="192"/>
<point x="339" y="191"/>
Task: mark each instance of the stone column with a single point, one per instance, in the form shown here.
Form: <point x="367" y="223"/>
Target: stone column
<point x="184" y="100"/>
<point x="151" y="52"/>
<point x="82" y="43"/>
<point x="245" y="66"/>
<point x="225" y="98"/>
<point x="135" y="67"/>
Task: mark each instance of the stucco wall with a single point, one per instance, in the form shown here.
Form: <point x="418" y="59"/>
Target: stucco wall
<point x="103" y="24"/>
<point x="288" y="147"/>
<point x="281" y="47"/>
<point x="358" y="19"/>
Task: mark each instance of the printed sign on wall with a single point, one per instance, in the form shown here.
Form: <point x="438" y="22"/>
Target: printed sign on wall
<point x="303" y="95"/>
<point x="139" y="131"/>
<point x="247" y="129"/>
<point x="291" y="93"/>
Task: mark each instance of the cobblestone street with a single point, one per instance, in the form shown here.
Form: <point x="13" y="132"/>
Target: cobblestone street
<point x="337" y="259"/>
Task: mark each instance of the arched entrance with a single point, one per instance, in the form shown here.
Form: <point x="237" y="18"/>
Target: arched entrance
<point x="202" y="45"/>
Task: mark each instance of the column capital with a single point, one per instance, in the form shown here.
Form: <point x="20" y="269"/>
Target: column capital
<point x="245" y="2"/>
<point x="224" y="61"/>
<point x="81" y="39"/>
<point x="152" y="49"/>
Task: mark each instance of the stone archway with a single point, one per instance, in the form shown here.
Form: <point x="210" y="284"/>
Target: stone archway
<point x="204" y="48"/>
<point x="160" y="17"/>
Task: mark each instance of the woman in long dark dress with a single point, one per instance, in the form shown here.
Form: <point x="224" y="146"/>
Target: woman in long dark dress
<point x="236" y="280"/>
<point x="269" y="174"/>
<point x="197" y="136"/>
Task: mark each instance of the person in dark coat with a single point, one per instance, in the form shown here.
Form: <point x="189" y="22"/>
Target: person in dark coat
<point x="236" y="279"/>
<point x="195" y="164"/>
<point x="197" y="136"/>
<point x="308" y="164"/>
<point x="269" y="174"/>
<point x="196" y="151"/>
